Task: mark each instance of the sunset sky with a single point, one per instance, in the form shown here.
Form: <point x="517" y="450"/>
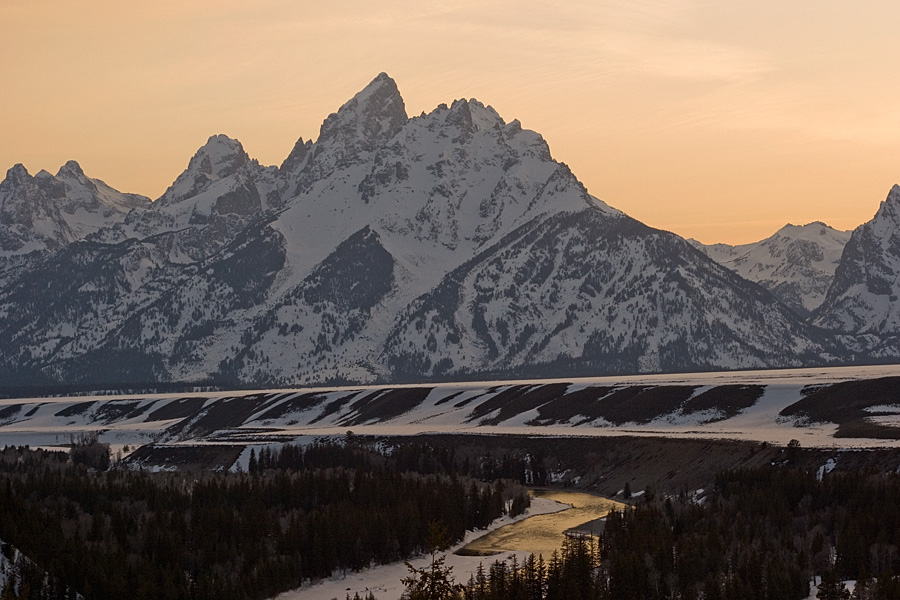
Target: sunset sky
<point x="716" y="120"/>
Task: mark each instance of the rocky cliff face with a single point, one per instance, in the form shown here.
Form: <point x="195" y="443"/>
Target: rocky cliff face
<point x="391" y="248"/>
<point x="865" y="296"/>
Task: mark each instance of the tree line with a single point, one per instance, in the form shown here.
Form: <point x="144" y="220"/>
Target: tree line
<point x="762" y="534"/>
<point x="120" y="533"/>
<point x="528" y="468"/>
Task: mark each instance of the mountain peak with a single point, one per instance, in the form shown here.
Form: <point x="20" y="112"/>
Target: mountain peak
<point x="472" y="115"/>
<point x="70" y="169"/>
<point x="368" y="119"/>
<point x="380" y="98"/>
<point x="893" y="196"/>
<point x="890" y="207"/>
<point x="17" y="173"/>
<point x="220" y="155"/>
<point x="382" y="86"/>
<point x="816" y="225"/>
<point x="809" y="229"/>
<point x="298" y="154"/>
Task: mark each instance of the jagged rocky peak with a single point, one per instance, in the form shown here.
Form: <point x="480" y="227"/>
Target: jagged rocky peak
<point x="471" y="116"/>
<point x="45" y="193"/>
<point x="51" y="187"/>
<point x="359" y="127"/>
<point x="50" y="211"/>
<point x="865" y="296"/>
<point x="18" y="180"/>
<point x="17" y="173"/>
<point x="529" y="141"/>
<point x="297" y="157"/>
<point x="71" y="169"/>
<point x="369" y="119"/>
<point x="466" y="117"/>
<point x="18" y="176"/>
<point x="80" y="190"/>
<point x="890" y="207"/>
<point x="220" y="157"/>
<point x="14" y="190"/>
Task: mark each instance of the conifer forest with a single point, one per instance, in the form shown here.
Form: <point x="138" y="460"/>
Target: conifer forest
<point x="92" y="529"/>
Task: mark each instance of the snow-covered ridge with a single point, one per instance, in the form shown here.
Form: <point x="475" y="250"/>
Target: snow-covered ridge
<point x="797" y="263"/>
<point x="47" y="212"/>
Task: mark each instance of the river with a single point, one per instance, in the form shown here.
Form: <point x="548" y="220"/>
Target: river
<point x="542" y="534"/>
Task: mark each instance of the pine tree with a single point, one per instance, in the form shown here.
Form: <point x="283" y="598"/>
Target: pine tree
<point x="832" y="588"/>
<point x="434" y="582"/>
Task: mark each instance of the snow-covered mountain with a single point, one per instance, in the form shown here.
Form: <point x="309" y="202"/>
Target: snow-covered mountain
<point x="449" y="244"/>
<point x="47" y="212"/>
<point x="796" y="263"/>
<point x="586" y="292"/>
<point x="865" y="296"/>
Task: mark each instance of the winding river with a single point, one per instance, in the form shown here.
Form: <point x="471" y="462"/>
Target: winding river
<point x="542" y="534"/>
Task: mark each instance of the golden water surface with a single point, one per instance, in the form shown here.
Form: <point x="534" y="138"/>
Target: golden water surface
<point x="542" y="534"/>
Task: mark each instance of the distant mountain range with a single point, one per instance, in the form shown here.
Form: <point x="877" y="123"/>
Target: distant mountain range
<point x="444" y="246"/>
<point x="796" y="263"/>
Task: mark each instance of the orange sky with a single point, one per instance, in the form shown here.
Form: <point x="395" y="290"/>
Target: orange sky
<point x="720" y="121"/>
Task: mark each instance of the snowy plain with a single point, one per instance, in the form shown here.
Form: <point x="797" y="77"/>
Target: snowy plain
<point x="447" y="408"/>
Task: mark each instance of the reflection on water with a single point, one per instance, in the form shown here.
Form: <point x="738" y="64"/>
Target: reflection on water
<point x="542" y="534"/>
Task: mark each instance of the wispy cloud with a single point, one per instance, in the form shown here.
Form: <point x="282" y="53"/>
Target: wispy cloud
<point x="648" y="38"/>
<point x="689" y="59"/>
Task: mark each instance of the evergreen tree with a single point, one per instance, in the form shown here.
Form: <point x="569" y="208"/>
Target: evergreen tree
<point x="434" y="582"/>
<point x="832" y="588"/>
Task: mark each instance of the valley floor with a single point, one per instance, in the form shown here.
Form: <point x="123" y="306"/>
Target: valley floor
<point x="753" y="406"/>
